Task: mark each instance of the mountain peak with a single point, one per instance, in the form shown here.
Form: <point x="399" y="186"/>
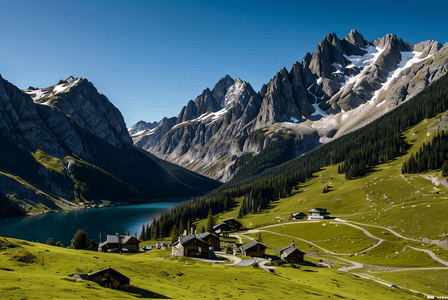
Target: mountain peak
<point x="355" y="38"/>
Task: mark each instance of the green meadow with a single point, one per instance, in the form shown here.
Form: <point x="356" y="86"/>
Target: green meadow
<point x="38" y="271"/>
<point x="383" y="218"/>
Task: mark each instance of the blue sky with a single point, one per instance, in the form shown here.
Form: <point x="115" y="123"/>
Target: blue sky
<point x="151" y="57"/>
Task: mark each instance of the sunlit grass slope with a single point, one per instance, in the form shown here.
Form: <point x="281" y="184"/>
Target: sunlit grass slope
<point x="38" y="271"/>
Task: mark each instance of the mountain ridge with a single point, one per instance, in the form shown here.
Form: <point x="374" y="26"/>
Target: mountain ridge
<point x="70" y="146"/>
<point x="321" y="98"/>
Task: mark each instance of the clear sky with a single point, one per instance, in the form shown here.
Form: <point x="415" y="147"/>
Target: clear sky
<point x="151" y="57"/>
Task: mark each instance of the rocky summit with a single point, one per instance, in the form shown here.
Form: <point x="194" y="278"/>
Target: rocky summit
<point x="67" y="144"/>
<point x="343" y="85"/>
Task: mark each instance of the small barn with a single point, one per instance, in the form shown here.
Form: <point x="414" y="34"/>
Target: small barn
<point x="253" y="249"/>
<point x="318" y="214"/>
<point x="92" y="245"/>
<point x="221" y="228"/>
<point x="110" y="278"/>
<point x="191" y="246"/>
<point x="292" y="255"/>
<point x="299" y="215"/>
<point x="232" y="223"/>
<point x="210" y="239"/>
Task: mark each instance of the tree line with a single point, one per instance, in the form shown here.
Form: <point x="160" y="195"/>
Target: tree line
<point x="430" y="156"/>
<point x="355" y="152"/>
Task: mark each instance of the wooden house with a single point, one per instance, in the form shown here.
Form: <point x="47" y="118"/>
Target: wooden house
<point x="92" y="245"/>
<point x="253" y="249"/>
<point x="191" y="246"/>
<point x="221" y="228"/>
<point x="110" y="278"/>
<point x="318" y="214"/>
<point x="210" y="239"/>
<point x="292" y="255"/>
<point x="299" y="215"/>
<point x="233" y="224"/>
<point x="117" y="243"/>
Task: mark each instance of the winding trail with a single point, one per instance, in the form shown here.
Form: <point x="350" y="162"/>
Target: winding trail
<point x="356" y="265"/>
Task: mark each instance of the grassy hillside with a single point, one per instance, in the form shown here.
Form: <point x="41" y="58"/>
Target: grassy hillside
<point x="37" y="271"/>
<point x="411" y="205"/>
<point x="383" y="218"/>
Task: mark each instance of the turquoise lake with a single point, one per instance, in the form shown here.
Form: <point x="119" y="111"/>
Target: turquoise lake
<point x="62" y="226"/>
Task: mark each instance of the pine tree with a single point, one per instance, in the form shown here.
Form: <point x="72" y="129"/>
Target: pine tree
<point x="79" y="240"/>
<point x="143" y="233"/>
<point x="148" y="233"/>
<point x="174" y="234"/>
<point x="210" y="222"/>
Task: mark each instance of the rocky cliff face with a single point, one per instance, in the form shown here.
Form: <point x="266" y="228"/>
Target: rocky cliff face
<point x="342" y="85"/>
<point x="71" y="145"/>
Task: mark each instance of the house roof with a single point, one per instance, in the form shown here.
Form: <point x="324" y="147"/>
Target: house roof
<point x="287" y="247"/>
<point x="91" y="242"/>
<point x="319" y="210"/>
<point x="112" y="270"/>
<point x="220" y="225"/>
<point x="113" y="239"/>
<point x="200" y="236"/>
<point x="299" y="214"/>
<point x="230" y="219"/>
<point x="205" y="234"/>
<point x="251" y="244"/>
<point x="289" y="251"/>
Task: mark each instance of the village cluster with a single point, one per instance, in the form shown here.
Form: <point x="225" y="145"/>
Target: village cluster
<point x="201" y="245"/>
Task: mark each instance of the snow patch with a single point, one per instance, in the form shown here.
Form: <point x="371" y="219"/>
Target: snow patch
<point x="407" y="60"/>
<point x="51" y="91"/>
<point x="233" y="93"/>
<point x="292" y="119"/>
<point x="363" y="62"/>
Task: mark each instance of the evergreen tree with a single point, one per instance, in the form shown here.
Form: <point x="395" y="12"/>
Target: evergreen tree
<point x="174" y="234"/>
<point x="143" y="233"/>
<point x="189" y="227"/>
<point x="259" y="238"/>
<point x="79" y="241"/>
<point x="50" y="241"/>
<point x="148" y="233"/>
<point x="210" y="221"/>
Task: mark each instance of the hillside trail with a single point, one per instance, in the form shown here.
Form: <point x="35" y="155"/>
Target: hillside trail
<point x="429" y="252"/>
<point x="366" y="232"/>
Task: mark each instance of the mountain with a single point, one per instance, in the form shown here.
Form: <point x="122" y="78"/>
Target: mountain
<point x="67" y="144"/>
<point x="343" y="85"/>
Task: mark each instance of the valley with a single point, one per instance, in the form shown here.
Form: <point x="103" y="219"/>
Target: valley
<point x="357" y="128"/>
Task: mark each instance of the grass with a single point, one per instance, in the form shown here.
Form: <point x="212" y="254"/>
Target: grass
<point x="429" y="281"/>
<point x="409" y="204"/>
<point x="155" y="274"/>
<point x="49" y="162"/>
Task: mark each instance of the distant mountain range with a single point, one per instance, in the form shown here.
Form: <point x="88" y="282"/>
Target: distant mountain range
<point x="67" y="144"/>
<point x="340" y="87"/>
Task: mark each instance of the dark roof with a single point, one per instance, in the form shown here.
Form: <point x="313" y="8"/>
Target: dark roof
<point x="289" y="251"/>
<point x="299" y="214"/>
<point x="220" y="225"/>
<point x="319" y="210"/>
<point x="251" y="244"/>
<point x="91" y="242"/>
<point x="189" y="237"/>
<point x="230" y="219"/>
<point x="205" y="235"/>
<point x="113" y="239"/>
<point x="287" y="247"/>
<point x="114" y="271"/>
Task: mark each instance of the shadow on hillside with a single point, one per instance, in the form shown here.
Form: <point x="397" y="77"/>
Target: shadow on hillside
<point x="142" y="293"/>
